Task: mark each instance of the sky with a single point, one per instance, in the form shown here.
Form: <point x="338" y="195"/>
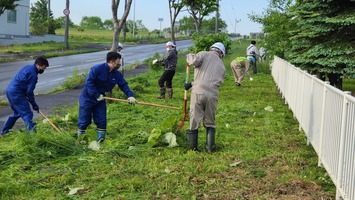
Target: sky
<point x="149" y="11"/>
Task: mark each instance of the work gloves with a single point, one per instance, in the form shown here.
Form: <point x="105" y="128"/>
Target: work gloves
<point x="187" y="86"/>
<point x="155" y="61"/>
<point x="101" y="97"/>
<point x="36" y="108"/>
<point x="132" y="100"/>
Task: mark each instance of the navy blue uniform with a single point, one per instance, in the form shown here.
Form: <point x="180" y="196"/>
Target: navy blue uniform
<point x="20" y="95"/>
<point x="99" y="81"/>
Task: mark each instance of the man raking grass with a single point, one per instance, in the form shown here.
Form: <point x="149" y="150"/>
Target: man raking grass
<point x="102" y="78"/>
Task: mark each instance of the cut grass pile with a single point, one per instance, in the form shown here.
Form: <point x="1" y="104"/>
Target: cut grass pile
<point x="260" y="152"/>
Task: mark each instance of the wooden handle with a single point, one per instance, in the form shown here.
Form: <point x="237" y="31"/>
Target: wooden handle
<point x="143" y="103"/>
<point x="56" y="128"/>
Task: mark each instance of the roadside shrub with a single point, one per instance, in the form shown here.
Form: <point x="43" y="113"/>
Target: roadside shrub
<point x="74" y="80"/>
<point x="203" y="42"/>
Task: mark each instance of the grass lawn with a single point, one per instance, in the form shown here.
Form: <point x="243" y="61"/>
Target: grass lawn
<point x="260" y="152"/>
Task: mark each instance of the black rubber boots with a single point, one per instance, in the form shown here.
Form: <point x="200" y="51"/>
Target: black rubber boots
<point x="192" y="137"/>
<point x="170" y="93"/>
<point x="210" y="135"/>
<point x="162" y="93"/>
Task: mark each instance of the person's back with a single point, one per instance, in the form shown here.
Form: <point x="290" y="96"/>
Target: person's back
<point x="209" y="71"/>
<point x="27" y="76"/>
<point x="252" y="52"/>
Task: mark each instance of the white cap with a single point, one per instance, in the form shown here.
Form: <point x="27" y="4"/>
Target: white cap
<point x="218" y="46"/>
<point x="120" y="45"/>
<point x="170" y="44"/>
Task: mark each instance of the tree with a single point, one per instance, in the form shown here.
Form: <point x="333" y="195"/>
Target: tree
<point x="325" y="39"/>
<point x="92" y="22"/>
<point x="138" y="25"/>
<point x="118" y="25"/>
<point x="108" y="24"/>
<point x="198" y="9"/>
<point x="187" y="23"/>
<point x="7" y="5"/>
<point x="175" y="7"/>
<point x="209" y="25"/>
<point x="61" y="22"/>
<point x="39" y="21"/>
<point x="277" y="27"/>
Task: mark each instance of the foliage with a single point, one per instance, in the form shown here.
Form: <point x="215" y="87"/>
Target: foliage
<point x="325" y="39"/>
<point x="7" y="5"/>
<point x="139" y="26"/>
<point x="61" y="21"/>
<point x="39" y="22"/>
<point x="207" y="26"/>
<point x="203" y="42"/>
<point x="92" y="22"/>
<point x="277" y="24"/>
<point x="108" y="24"/>
<point x="199" y="9"/>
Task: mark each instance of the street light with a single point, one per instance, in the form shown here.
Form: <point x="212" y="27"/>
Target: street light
<point x="160" y="20"/>
<point x="134" y="16"/>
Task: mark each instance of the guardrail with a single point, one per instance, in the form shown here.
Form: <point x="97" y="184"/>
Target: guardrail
<point x="327" y="117"/>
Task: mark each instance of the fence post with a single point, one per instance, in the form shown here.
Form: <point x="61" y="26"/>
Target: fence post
<point x="312" y="92"/>
<point x="342" y="147"/>
<point x="302" y="93"/>
<point x="322" y="122"/>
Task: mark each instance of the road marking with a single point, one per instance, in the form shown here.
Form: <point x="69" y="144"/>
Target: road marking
<point x="94" y="60"/>
<point x="55" y="66"/>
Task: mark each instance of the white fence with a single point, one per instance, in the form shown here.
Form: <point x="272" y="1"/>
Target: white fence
<point x="327" y="116"/>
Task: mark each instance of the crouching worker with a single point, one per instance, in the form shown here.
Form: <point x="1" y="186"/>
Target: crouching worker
<point x="92" y="104"/>
<point x="237" y="69"/>
<point x="20" y="95"/>
<point x="209" y="72"/>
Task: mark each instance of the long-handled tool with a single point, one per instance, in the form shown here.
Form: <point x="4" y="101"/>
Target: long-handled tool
<point x="143" y="103"/>
<point x="54" y="126"/>
<point x="185" y="98"/>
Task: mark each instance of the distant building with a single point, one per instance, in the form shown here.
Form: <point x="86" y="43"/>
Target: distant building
<point x="16" y="22"/>
<point x="254" y="35"/>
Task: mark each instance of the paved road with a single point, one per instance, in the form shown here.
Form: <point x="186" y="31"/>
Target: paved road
<point x="62" y="67"/>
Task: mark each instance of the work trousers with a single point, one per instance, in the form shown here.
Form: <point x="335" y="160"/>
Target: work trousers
<point x="238" y="71"/>
<point x="203" y="106"/>
<point x="89" y="110"/>
<point x="168" y="78"/>
<point x="21" y="107"/>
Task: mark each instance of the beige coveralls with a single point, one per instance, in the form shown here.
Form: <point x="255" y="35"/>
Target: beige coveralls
<point x="209" y="72"/>
<point x="237" y="70"/>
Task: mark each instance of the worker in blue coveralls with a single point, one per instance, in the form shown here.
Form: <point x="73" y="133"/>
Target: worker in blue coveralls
<point x="20" y="95"/>
<point x="101" y="78"/>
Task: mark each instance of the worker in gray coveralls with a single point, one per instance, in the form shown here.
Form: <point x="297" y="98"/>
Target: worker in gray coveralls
<point x="209" y="72"/>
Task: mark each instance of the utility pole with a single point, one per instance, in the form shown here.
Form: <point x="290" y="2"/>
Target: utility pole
<point x="160" y="20"/>
<point x="66" y="37"/>
<point x="217" y="16"/>
<point x="235" y="25"/>
<point x="134" y="16"/>
<point x="125" y="24"/>
<point x="49" y="9"/>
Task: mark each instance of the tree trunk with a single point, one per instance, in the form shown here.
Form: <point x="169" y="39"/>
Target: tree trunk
<point x="117" y="26"/>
